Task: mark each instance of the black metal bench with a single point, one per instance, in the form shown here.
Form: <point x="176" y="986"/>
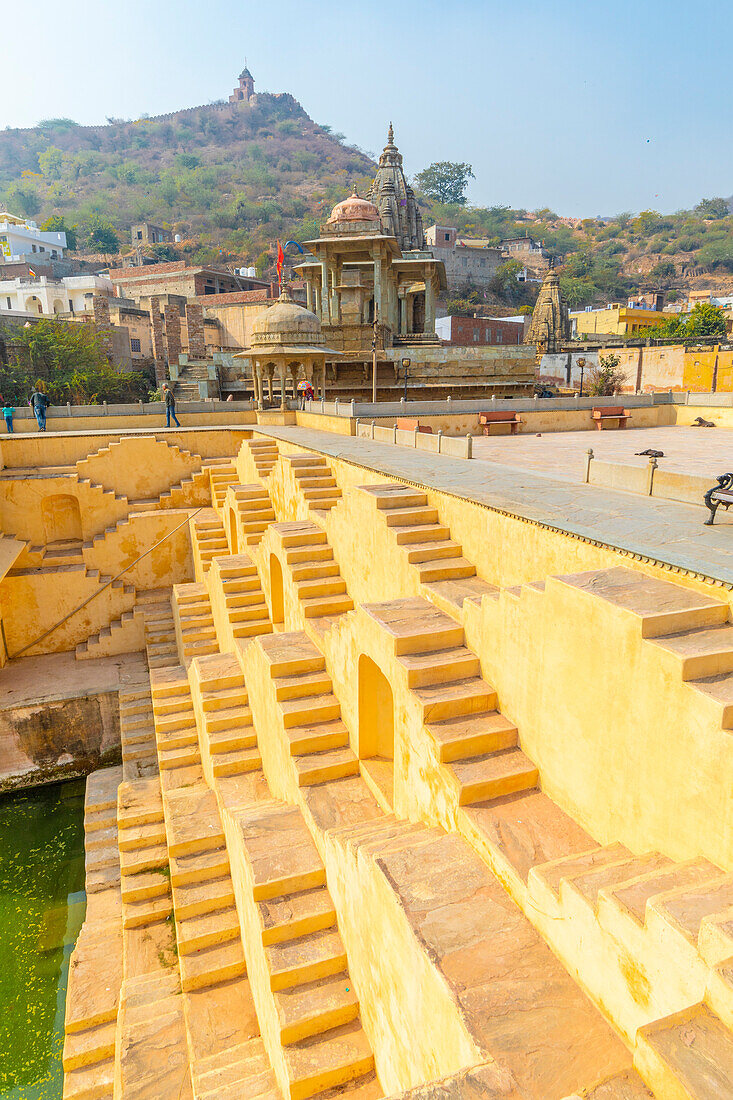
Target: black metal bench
<point x="722" y="493"/>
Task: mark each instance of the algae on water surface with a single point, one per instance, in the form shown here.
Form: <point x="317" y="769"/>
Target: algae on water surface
<point x="42" y="906"/>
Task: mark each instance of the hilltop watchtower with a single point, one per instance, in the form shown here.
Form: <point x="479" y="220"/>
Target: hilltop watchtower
<point x="246" y="88"/>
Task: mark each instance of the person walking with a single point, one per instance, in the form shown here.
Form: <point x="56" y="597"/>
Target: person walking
<point x="170" y="406"/>
<point x="8" y="416"/>
<point x="39" y="403"/>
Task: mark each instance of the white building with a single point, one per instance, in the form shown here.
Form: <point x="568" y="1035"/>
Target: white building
<point x="48" y="296"/>
<point x="22" y="240"/>
<point x="466" y="259"/>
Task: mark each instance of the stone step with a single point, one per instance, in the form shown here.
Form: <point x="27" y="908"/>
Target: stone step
<point x="424" y="669"/>
<point x="303" y="685"/>
<point x="199" y="866"/>
<point x="320" y="607"/>
<point x="85" y="1048"/>
<point x="191" y="899"/>
<point x="206" y="929"/>
<point x="308" y="959"/>
<point x="449" y="569"/>
<point x="422" y="532"/>
<point x="309" y="554"/>
<point x="632" y="897"/>
<point x="588" y="884"/>
<point x="317" y="738"/>
<point x="222" y="698"/>
<point x="254" y="611"/>
<point x="490" y="777"/>
<point x="180" y="718"/>
<point x="314" y="1008"/>
<point x="309" y="709"/>
<point x="451" y="700"/>
<point x="688" y="1054"/>
<point x="322" y="767"/>
<point x="470" y="735"/>
<point x="244" y="1066"/>
<point x="341" y="1056"/>
<point x="418" y="552"/>
<point x="310" y="536"/>
<point x="295" y="915"/>
<point x="326" y="586"/>
<point x="314" y="570"/>
<point x="212" y="965"/>
<point x="187" y="737"/>
<point x="236" y="762"/>
<point x="141" y="836"/>
<point x="700" y="653"/>
<point x="684" y="913"/>
<point x="252" y="629"/>
<point x="90" y="1082"/>
<point x="228" y="718"/>
<point x="228" y="740"/>
<point x="179" y="757"/>
<point x="411" y="517"/>
<point x="138" y="914"/>
<point x="143" y="859"/>
<point x="145" y="885"/>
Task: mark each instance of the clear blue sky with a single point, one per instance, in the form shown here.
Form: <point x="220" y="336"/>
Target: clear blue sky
<point x="586" y="107"/>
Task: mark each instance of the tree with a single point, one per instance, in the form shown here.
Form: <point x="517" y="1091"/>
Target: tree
<point x="57" y="224"/>
<point x="101" y="235"/>
<point x="607" y="378"/>
<point x="662" y="271"/>
<point x="445" y="181"/>
<point x="71" y="362"/>
<point x="712" y="209"/>
<point x="504" y="280"/>
<point x="50" y="161"/>
<point x="706" y="320"/>
<point x="24" y="199"/>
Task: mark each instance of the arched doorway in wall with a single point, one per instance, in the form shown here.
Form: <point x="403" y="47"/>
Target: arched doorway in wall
<point x="376" y="728"/>
<point x="58" y="306"/>
<point x="277" y="601"/>
<point x="33" y="304"/>
<point x="61" y="518"/>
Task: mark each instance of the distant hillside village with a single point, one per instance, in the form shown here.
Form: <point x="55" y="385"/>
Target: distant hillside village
<point x="429" y="300"/>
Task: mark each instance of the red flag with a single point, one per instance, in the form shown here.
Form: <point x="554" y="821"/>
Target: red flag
<point x="280" y="258"/>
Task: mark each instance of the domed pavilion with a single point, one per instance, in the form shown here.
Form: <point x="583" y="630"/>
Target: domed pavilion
<point x="287" y="341"/>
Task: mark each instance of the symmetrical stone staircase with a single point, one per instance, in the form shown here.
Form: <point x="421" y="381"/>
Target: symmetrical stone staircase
<point x="447" y="576"/>
<point x="251" y="513"/>
<point x="208" y="541"/>
<point x="226" y="735"/>
<point x="315" y="481"/>
<point x="146" y="894"/>
<point x="175" y="726"/>
<point x="222" y="477"/>
<point x="137" y="733"/>
<point x="160" y="632"/>
<point x="308" y="1009"/>
<point x="238" y="603"/>
<point x="195" y="630"/>
<point x="320" y="588"/>
<point x="264" y="454"/>
<point x="309" y="712"/>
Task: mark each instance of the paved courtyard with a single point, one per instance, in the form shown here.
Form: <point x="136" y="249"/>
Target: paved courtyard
<point x="704" y="452"/>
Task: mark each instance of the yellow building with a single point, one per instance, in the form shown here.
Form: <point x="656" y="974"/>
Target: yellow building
<point x="614" y="320"/>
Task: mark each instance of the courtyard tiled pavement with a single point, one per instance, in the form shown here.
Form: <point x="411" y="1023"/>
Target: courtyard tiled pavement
<point x="696" y="451"/>
<point x="664" y="530"/>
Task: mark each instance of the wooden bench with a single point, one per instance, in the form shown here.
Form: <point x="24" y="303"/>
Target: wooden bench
<point x="722" y="493"/>
<point x="511" y="418"/>
<point x="610" y="412"/>
<point x="408" y="424"/>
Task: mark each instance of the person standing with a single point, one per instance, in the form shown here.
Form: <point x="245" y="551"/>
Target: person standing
<point x="39" y="404"/>
<point x="8" y="417"/>
<point x="170" y="406"/>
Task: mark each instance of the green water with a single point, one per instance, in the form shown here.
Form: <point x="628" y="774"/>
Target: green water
<point x="41" y="910"/>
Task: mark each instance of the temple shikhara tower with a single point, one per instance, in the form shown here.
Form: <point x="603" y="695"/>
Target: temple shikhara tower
<point x="550" y="325"/>
<point x="395" y="199"/>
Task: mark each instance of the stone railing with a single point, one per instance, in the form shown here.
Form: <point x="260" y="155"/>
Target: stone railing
<point x="439" y="444"/>
<point x="476" y="405"/>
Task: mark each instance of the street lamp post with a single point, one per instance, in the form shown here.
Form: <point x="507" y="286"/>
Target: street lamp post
<point x="405" y="367"/>
<point x="581" y="364"/>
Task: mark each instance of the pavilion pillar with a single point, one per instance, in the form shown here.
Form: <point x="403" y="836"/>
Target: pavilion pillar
<point x="309" y="295"/>
<point x="377" y="284"/>
<point x="429" y="305"/>
<point x="325" y="299"/>
<point x="334" y="293"/>
<point x="323" y="380"/>
<point x="270" y="372"/>
<point x="283" y="395"/>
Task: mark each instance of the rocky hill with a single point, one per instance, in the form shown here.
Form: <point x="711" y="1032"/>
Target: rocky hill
<point x="228" y="177"/>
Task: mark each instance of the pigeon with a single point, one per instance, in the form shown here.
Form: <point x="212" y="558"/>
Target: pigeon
<point x="651" y="453"/>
